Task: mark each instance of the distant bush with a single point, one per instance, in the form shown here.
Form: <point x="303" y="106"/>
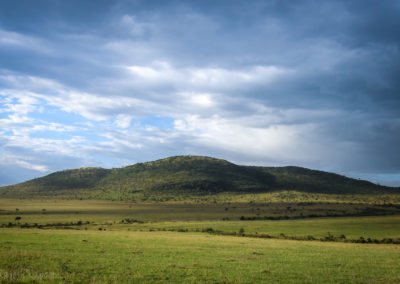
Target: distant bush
<point x="208" y="230"/>
<point x="130" y="221"/>
<point x="329" y="238"/>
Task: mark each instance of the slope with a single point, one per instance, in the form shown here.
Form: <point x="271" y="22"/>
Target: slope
<point x="314" y="181"/>
<point x="75" y="179"/>
<point x="186" y="175"/>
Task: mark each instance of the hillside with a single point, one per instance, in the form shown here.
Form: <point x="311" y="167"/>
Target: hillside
<point x="193" y="175"/>
<point x="75" y="179"/>
<point x="313" y="181"/>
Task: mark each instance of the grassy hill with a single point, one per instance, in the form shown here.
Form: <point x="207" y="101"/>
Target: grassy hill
<point x="186" y="175"/>
<point x="190" y="174"/>
<point x="313" y="181"/>
<point x="75" y="179"/>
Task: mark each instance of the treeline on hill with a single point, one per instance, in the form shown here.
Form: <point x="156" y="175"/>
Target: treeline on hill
<point x="190" y="175"/>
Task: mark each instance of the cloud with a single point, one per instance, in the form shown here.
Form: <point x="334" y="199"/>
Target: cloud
<point x="133" y="26"/>
<point x="10" y="40"/>
<point x="252" y="82"/>
<point x="206" y="78"/>
<point x="27" y="165"/>
<point x="123" y="121"/>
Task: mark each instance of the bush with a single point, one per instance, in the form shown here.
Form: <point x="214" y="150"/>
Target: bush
<point x="208" y="230"/>
<point x="329" y="238"/>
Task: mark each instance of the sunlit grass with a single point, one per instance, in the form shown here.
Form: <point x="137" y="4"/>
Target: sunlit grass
<point x="169" y="257"/>
<point x="109" y="249"/>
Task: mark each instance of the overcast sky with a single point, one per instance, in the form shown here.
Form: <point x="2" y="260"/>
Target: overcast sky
<point x="111" y="83"/>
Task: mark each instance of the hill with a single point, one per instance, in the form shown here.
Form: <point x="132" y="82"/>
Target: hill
<point x="314" y="181"/>
<point x="190" y="175"/>
<point x="50" y="185"/>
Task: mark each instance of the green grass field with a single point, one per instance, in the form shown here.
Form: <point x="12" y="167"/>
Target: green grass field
<point x="172" y="243"/>
<point x="170" y="257"/>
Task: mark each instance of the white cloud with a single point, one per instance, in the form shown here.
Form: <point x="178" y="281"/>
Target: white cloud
<point x="118" y="140"/>
<point x="285" y="142"/>
<point x="205" y="119"/>
<point x="68" y="146"/>
<point x="189" y="93"/>
<point x="202" y="100"/>
<point x="13" y="39"/>
<point x="225" y="78"/>
<point x="123" y="121"/>
<point x="24" y="105"/>
<point x="161" y="72"/>
<point x="24" y="162"/>
<point x="91" y="106"/>
<point x="57" y="127"/>
<point x="158" y="72"/>
<point x="27" y="165"/>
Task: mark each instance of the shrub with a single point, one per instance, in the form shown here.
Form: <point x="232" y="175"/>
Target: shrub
<point x="329" y="237"/>
<point x="208" y="230"/>
<point x="362" y="240"/>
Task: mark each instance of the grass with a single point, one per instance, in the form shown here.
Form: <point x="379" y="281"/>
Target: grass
<point x="145" y="251"/>
<point x="198" y="179"/>
<point x="193" y="217"/>
<point x="170" y="257"/>
<point x="352" y="227"/>
<point x="99" y="211"/>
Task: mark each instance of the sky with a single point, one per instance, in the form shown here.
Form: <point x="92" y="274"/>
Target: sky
<point x="274" y="83"/>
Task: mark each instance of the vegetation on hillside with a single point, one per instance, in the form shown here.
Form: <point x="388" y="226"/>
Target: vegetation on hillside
<point x="67" y="180"/>
<point x="189" y="174"/>
<point x="314" y="181"/>
<point x="186" y="176"/>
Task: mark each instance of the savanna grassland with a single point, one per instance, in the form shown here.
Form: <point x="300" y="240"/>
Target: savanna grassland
<point x="193" y="219"/>
<point x="172" y="257"/>
<point x="94" y="241"/>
